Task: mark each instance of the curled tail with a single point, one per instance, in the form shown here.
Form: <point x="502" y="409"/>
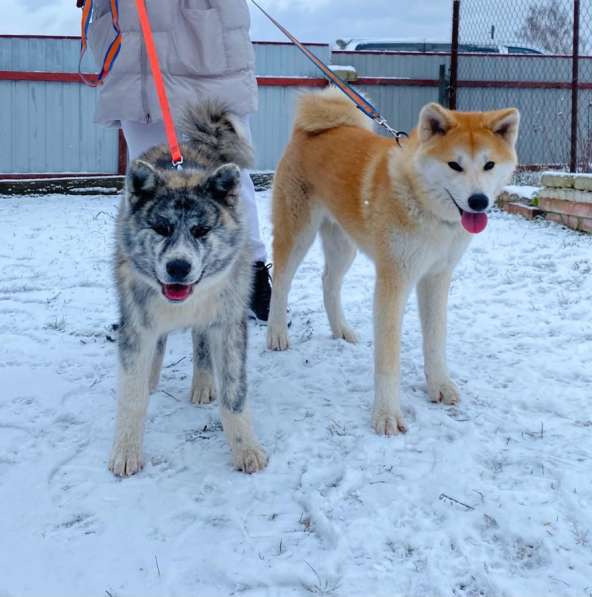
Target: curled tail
<point x="328" y="109"/>
<point x="210" y="127"/>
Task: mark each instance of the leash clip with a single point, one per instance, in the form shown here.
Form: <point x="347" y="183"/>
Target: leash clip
<point x="178" y="165"/>
<point x="398" y="135"/>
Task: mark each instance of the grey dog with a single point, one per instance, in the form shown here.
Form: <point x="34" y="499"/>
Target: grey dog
<point x="183" y="261"/>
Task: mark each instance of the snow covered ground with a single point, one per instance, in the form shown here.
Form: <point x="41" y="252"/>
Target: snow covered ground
<point x="491" y="498"/>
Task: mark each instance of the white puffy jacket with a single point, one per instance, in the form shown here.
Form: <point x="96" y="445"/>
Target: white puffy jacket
<point x="204" y="51"/>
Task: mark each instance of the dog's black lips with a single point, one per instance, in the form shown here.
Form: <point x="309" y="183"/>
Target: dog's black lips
<point x="460" y="210"/>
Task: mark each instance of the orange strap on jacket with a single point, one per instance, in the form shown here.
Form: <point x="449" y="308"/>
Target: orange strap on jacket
<point x="113" y="49"/>
<point x="169" y="125"/>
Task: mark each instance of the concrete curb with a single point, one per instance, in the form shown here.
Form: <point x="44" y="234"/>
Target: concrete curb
<point x="91" y="185"/>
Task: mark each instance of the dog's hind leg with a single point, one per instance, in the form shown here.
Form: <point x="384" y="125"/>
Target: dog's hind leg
<point x="202" y="387"/>
<point x="295" y="225"/>
<point x="136" y="355"/>
<point x="340" y="253"/>
<point x="432" y="297"/>
<point x="228" y="349"/>
<point x="157" y="363"/>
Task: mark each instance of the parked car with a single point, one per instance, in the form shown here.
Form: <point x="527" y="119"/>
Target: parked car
<point x="397" y="45"/>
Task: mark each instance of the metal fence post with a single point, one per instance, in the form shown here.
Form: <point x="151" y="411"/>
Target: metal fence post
<point x="454" y="55"/>
<point x="575" y="88"/>
<point x="443" y="87"/>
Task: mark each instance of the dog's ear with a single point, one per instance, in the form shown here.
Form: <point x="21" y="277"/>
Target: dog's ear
<point x="505" y="123"/>
<point x="142" y="182"/>
<point x="224" y="183"/>
<point x="434" y="120"/>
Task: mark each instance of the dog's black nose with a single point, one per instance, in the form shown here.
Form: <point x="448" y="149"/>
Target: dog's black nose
<point x="178" y="269"/>
<point x="478" y="202"/>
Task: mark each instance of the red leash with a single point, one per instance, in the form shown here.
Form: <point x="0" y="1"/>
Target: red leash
<point x="169" y="125"/>
<point x="111" y="56"/>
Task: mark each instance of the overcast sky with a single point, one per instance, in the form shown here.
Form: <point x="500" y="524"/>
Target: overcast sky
<point x="311" y="20"/>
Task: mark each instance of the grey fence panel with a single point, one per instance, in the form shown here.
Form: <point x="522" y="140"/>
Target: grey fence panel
<point x="58" y="55"/>
<point x="278" y="59"/>
<point x="46" y="127"/>
<point x="411" y="66"/>
<point x="515" y="68"/>
<point x="8" y="116"/>
<point x="272" y="124"/>
<point x="400" y="105"/>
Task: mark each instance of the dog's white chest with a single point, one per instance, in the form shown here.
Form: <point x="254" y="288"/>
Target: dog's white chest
<point x="438" y="248"/>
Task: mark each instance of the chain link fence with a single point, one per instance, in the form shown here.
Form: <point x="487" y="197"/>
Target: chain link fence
<point x="535" y="55"/>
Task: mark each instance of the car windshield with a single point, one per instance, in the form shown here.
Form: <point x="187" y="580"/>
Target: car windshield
<point x="521" y="50"/>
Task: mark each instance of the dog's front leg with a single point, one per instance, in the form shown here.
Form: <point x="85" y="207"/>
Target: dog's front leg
<point x="432" y="297"/>
<point x="136" y="354"/>
<point x="228" y="349"/>
<point x="157" y="363"/>
<point x="389" y="303"/>
<point x="202" y="387"/>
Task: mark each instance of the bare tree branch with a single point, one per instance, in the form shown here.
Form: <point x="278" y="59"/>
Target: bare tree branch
<point x="549" y="26"/>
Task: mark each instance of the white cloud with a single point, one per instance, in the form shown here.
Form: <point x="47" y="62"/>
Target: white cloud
<point x="326" y="20"/>
<point x="41" y="17"/>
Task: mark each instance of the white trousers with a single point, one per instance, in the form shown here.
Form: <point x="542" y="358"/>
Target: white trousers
<point x="140" y="137"/>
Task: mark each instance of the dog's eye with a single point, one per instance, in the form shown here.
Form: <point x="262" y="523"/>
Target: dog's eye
<point x="165" y="230"/>
<point x="489" y="166"/>
<point x="456" y="166"/>
<point x="199" y="231"/>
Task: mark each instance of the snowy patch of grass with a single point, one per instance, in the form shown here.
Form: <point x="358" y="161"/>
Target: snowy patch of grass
<point x="57" y="325"/>
<point x="323" y="586"/>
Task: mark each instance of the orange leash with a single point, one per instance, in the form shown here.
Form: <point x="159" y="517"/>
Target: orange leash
<point x="169" y="125"/>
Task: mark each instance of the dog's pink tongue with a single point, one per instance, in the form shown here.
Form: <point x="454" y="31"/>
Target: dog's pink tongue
<point x="474" y="223"/>
<point x="176" y="292"/>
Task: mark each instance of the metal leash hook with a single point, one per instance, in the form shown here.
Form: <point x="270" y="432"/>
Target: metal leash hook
<point x="398" y="135"/>
<point x="178" y="165"/>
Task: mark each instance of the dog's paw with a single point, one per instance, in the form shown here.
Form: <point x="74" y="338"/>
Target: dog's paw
<point x="445" y="392"/>
<point x="126" y="459"/>
<point x="202" y="389"/>
<point x="389" y="423"/>
<point x="344" y="332"/>
<point x="277" y="337"/>
<point x="250" y="459"/>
